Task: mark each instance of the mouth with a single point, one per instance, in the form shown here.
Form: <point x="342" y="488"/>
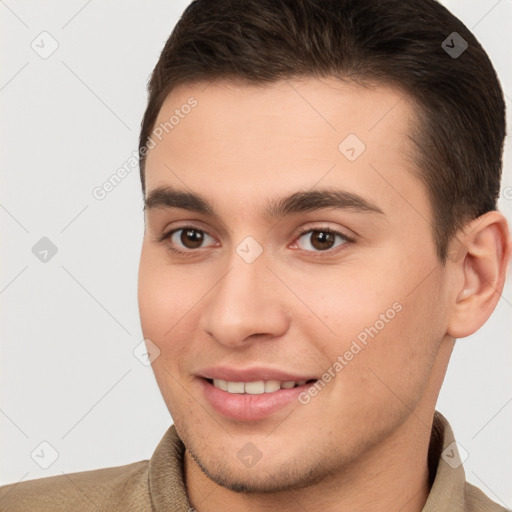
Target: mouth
<point x="254" y="400"/>
<point x="258" y="387"/>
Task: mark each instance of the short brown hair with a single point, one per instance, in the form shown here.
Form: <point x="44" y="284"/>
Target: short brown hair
<point x="461" y="109"/>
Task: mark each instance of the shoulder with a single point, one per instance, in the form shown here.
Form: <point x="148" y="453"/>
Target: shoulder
<point x="123" y="488"/>
<point x="477" y="501"/>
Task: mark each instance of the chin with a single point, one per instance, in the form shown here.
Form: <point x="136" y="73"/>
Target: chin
<point x="262" y="478"/>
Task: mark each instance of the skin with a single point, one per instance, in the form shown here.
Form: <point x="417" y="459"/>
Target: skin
<point x="362" y="442"/>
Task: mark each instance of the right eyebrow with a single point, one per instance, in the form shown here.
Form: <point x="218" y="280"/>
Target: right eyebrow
<point x="169" y="197"/>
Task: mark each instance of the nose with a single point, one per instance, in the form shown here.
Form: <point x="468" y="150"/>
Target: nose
<point x="247" y="303"/>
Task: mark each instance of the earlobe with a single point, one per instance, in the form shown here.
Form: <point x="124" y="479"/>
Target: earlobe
<point x="480" y="270"/>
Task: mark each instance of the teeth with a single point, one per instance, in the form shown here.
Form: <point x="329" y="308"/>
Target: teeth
<point x="272" y="385"/>
<point x="257" y="387"/>
<point x="221" y="384"/>
<point x="236" y="387"/>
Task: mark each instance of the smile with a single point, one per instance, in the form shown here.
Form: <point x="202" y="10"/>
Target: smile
<point x="257" y="387"/>
<point x="252" y="400"/>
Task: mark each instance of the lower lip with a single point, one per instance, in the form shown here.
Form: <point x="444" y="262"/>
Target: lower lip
<point x="245" y="407"/>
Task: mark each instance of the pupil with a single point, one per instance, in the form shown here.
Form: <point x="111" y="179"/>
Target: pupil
<point x="324" y="238"/>
<point x="191" y="238"/>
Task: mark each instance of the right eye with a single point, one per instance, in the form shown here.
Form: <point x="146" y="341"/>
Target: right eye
<point x="189" y="237"/>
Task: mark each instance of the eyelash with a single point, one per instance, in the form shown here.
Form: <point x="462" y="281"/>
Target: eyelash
<point x="317" y="254"/>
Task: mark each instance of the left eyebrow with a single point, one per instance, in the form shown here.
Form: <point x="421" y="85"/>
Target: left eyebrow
<point x="169" y="197"/>
<point x="316" y="200"/>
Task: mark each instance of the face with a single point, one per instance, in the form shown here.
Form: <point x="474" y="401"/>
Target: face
<point x="299" y="308"/>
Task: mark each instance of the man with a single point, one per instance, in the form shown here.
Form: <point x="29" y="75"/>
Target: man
<point x="320" y="182"/>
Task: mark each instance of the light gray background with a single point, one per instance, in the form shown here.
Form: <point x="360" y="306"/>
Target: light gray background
<point x="69" y="326"/>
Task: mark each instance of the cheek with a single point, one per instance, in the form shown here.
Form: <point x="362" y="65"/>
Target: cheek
<point x="347" y="304"/>
<point x="163" y="291"/>
<point x="378" y="323"/>
<point x="165" y="313"/>
<point x="166" y="297"/>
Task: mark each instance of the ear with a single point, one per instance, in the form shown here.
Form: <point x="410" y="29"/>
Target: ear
<point x="478" y="256"/>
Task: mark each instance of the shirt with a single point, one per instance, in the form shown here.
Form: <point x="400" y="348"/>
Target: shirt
<point x="157" y="485"/>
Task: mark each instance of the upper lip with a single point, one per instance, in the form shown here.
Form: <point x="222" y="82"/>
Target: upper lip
<point x="251" y="374"/>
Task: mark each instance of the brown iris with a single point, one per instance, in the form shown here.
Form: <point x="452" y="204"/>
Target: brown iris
<point x="322" y="240"/>
<point x="192" y="237"/>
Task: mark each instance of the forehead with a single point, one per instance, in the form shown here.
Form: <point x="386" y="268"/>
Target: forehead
<point x="245" y="141"/>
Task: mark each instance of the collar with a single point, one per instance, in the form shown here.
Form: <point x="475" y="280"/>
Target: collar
<point x="447" y="476"/>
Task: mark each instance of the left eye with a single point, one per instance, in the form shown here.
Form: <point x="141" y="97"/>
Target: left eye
<point x="322" y="239"/>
